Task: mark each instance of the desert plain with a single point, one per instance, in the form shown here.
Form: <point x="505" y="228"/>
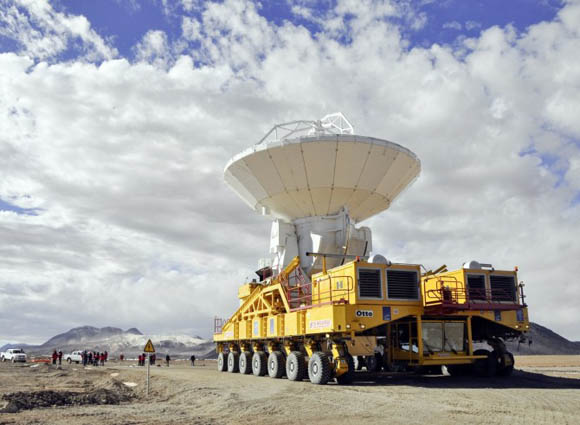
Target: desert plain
<point x="542" y="390"/>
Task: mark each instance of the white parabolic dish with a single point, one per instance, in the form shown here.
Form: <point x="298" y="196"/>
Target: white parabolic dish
<point x="319" y="175"/>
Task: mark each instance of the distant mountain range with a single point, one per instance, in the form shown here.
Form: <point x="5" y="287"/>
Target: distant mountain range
<point x="117" y="341"/>
<point x="544" y="341"/>
<point x="132" y="341"/>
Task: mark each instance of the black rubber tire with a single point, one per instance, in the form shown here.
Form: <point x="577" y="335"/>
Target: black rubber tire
<point x="276" y="365"/>
<point x="245" y="363"/>
<point x="485" y="368"/>
<point x="457" y="370"/>
<point x="222" y="362"/>
<point x="69" y="361"/>
<point x="502" y="369"/>
<point x="233" y="362"/>
<point x="319" y="368"/>
<point x="433" y="370"/>
<point x="374" y="363"/>
<point x="259" y="363"/>
<point x="347" y="377"/>
<point x="295" y="366"/>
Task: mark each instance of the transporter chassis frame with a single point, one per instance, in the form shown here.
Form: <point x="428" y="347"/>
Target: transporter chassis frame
<point x="327" y="329"/>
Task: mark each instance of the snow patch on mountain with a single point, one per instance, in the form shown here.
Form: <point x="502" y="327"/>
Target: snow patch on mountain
<point x="117" y="341"/>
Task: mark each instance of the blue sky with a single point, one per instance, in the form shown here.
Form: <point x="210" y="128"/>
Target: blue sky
<point x="125" y="22"/>
<point x="7" y="206"/>
<point x="117" y="118"/>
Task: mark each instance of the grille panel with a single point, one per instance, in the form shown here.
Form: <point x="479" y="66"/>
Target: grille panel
<point x="402" y="284"/>
<point x="503" y="288"/>
<point x="476" y="285"/>
<point x="369" y="283"/>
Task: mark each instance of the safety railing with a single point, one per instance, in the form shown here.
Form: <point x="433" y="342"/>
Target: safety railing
<point x="296" y="287"/>
<point x="218" y="324"/>
<point x="448" y="291"/>
<point x="307" y="295"/>
<point x="453" y="293"/>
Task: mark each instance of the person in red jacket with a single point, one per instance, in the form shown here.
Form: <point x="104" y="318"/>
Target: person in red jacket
<point x="54" y="357"/>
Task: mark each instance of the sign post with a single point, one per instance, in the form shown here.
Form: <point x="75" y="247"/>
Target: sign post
<point x="149" y="349"/>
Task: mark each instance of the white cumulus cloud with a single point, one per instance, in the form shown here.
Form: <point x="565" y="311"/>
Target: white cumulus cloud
<point x="122" y="160"/>
<point x="43" y="33"/>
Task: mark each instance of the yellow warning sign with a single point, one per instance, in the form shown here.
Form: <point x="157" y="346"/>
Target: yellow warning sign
<point x="149" y="347"/>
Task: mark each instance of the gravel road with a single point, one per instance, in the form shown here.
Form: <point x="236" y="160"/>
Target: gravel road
<point x="544" y="389"/>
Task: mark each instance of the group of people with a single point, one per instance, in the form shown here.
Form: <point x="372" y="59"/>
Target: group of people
<point x="152" y="359"/>
<point x="94" y="359"/>
<point x="57" y="357"/>
<point x="143" y="359"/>
<point x="98" y="359"/>
<point x="87" y="358"/>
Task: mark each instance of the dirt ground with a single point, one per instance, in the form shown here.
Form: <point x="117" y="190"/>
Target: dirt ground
<point x="543" y="389"/>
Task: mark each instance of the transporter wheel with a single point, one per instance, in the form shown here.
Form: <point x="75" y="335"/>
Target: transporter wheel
<point x="295" y="366"/>
<point x="433" y="370"/>
<point x="245" y="363"/>
<point x="259" y="363"/>
<point x="276" y="364"/>
<point x="347" y="377"/>
<point x="359" y="362"/>
<point x="69" y="361"/>
<point x="374" y="363"/>
<point x="319" y="368"/>
<point x="222" y="362"/>
<point x="485" y="367"/>
<point x="456" y="370"/>
<point x="233" y="362"/>
<point x="502" y="369"/>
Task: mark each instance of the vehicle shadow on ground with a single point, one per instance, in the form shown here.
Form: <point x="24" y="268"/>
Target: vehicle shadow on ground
<point x="519" y="379"/>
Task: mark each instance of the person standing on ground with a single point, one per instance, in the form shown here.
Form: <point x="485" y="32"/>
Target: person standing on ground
<point x="59" y="357"/>
<point x="106" y="356"/>
<point x="54" y="357"/>
<point x="121" y="357"/>
<point x="167" y="358"/>
<point x="192" y="358"/>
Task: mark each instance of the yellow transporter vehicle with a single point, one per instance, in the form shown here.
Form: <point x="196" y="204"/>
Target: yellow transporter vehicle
<point x="489" y="301"/>
<point x="325" y="305"/>
<point x="383" y="314"/>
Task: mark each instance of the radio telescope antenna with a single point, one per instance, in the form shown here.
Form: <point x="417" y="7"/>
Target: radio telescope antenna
<point x="335" y="123"/>
<point x="316" y="179"/>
